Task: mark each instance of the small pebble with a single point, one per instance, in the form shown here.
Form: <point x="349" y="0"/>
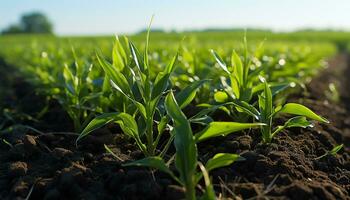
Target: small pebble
<point x="245" y="141"/>
<point x="30" y="144"/>
<point x="17" y="169"/>
<point x="61" y="152"/>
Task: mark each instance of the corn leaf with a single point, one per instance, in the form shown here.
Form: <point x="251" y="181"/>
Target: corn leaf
<point x="145" y="56"/>
<point x="137" y="58"/>
<point x="221" y="160"/>
<point x="209" y="193"/>
<point x="275" y="87"/>
<point x="268" y="100"/>
<point x="117" y="77"/>
<point x="220" y="61"/>
<point x="299" y="121"/>
<point x="186" y="95"/>
<point x="237" y="67"/>
<point x="186" y="150"/>
<point x="215" y="129"/>
<point x="163" y="78"/>
<point x="153" y="162"/>
<point x="126" y="122"/>
<point x="246" y="107"/>
<point x="298" y="109"/>
<point x="118" y="55"/>
<point x="335" y="149"/>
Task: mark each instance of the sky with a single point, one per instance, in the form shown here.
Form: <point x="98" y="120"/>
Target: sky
<point x="96" y="17"/>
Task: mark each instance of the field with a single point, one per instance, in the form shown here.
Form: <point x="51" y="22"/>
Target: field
<point x="192" y="115"/>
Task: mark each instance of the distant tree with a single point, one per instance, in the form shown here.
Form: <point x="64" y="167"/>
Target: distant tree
<point x="12" y="29"/>
<point x="35" y="22"/>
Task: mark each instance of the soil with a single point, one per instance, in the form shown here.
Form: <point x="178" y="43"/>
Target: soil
<point x="49" y="165"/>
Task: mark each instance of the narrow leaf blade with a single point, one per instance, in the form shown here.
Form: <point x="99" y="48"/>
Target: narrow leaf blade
<point x="215" y="129"/>
<point x="298" y="109"/>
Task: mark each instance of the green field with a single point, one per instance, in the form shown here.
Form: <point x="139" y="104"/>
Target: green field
<point x="171" y="96"/>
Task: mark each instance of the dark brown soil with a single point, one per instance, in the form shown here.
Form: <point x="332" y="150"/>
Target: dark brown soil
<point x="50" y="166"/>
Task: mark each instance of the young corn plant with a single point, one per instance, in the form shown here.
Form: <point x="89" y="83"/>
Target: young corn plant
<point x="332" y="152"/>
<point x="241" y="79"/>
<point x="144" y="97"/>
<point x="267" y="113"/>
<point x="186" y="158"/>
<point x="77" y="95"/>
<point x="243" y="83"/>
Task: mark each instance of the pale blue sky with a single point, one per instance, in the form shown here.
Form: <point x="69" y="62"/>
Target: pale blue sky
<point x="87" y="17"/>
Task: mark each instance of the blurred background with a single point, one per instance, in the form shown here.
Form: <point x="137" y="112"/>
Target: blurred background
<point x="108" y="17"/>
<point x="40" y="37"/>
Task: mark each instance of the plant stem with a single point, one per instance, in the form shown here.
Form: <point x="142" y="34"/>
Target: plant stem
<point x="190" y="191"/>
<point x="149" y="130"/>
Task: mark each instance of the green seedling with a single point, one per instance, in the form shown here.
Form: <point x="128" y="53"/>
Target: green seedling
<point x="146" y="96"/>
<point x="240" y="77"/>
<point x="242" y="83"/>
<point x="76" y="97"/>
<point x="267" y="113"/>
<point x="332" y="152"/>
<point x="186" y="159"/>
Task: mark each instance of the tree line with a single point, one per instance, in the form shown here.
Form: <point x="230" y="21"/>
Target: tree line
<point x="34" y="22"/>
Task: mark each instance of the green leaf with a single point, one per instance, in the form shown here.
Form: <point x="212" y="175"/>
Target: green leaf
<point x="268" y="100"/>
<point x="332" y="152"/>
<point x="137" y="58"/>
<point x="186" y="95"/>
<point x="145" y="57"/>
<point x="69" y="79"/>
<point x="221" y="160"/>
<point x="247" y="61"/>
<point x="127" y="124"/>
<point x="220" y="61"/>
<point x="298" y="109"/>
<point x="153" y="162"/>
<point x="118" y="55"/>
<point x="335" y="150"/>
<point x="246" y="107"/>
<point x="97" y="123"/>
<point x="246" y="95"/>
<point x="209" y="193"/>
<point x="162" y="124"/>
<point x="237" y="67"/>
<point x="275" y="87"/>
<point x="215" y="129"/>
<point x="235" y="87"/>
<point x="208" y="109"/>
<point x="141" y="108"/>
<point x="299" y="121"/>
<point x="163" y="79"/>
<point x="186" y="150"/>
<point x="117" y="77"/>
<point x="201" y="120"/>
<point x="266" y="110"/>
